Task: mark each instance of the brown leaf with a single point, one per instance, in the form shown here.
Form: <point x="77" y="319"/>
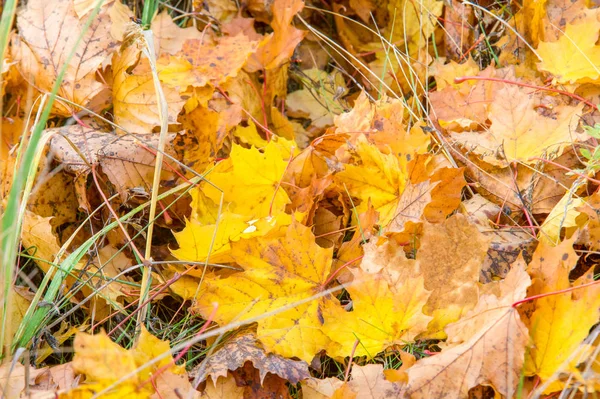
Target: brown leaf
<point x="457" y="18"/>
<point x="507" y="244"/>
<point x="124" y="160"/>
<point x="538" y="189"/>
<point x="254" y="388"/>
<point x="450" y="257"/>
<point x="245" y="348"/>
<point x="48" y="32"/>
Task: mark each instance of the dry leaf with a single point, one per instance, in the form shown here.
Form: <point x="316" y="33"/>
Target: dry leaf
<point x="489" y="349"/>
<point x="48" y="32"/>
<point x="244" y="347"/>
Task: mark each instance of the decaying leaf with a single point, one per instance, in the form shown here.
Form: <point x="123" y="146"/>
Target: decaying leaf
<point x="244" y="347"/>
<point x="127" y="161"/>
<point x="48" y="33"/>
<point x="559" y="322"/>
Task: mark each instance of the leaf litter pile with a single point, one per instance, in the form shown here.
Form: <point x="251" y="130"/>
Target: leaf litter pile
<point x="363" y="199"/>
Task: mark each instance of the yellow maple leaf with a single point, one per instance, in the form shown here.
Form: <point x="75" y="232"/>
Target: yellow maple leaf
<point x="251" y="181"/>
<point x="249" y="184"/>
<point x="401" y="188"/>
<point x="384" y="125"/>
<point x="378" y="177"/>
<point x="199" y="242"/>
<point x="560" y="322"/>
<point x="104" y="362"/>
<point x="414" y="22"/>
<point x="575" y="57"/>
<point x="382" y="315"/>
<point x="278" y="271"/>
<point x="134" y="97"/>
<point x="563" y="216"/>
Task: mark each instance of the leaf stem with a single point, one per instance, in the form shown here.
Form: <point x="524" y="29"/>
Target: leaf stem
<point x="463" y="79"/>
<point x="534" y="297"/>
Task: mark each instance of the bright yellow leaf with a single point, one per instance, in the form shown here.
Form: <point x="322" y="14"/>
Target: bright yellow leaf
<point x="575" y="57"/>
<point x="560" y="322"/>
<point x="253" y="203"/>
<point x="104" y="362"/>
<point x="378" y="177"/>
<point x="278" y="272"/>
<point x="198" y="241"/>
<point x="382" y="315"/>
<point x="251" y="181"/>
<point x="563" y="215"/>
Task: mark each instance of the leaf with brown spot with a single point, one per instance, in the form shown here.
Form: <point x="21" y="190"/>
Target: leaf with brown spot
<point x="273" y="386"/>
<point x="215" y="63"/>
<point x="245" y="347"/>
<point x="278" y="47"/>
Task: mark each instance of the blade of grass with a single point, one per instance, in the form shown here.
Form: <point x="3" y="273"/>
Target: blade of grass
<point x="163" y="110"/>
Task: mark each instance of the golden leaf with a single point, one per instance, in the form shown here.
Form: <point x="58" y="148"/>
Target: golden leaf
<point x="278" y="271"/>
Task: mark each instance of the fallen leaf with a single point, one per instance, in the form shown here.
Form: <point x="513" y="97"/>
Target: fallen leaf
<point x="127" y="161"/>
<point x="275" y="49"/>
<point x="244" y="347"/>
<point x="369" y="382"/>
<point x="450" y="257"/>
<point x="14" y="378"/>
<point x="276" y="274"/>
<point x="48" y="32"/>
<point x="383" y="314"/>
<point x="559" y="322"/>
<point x="135" y="101"/>
<point x="514" y="135"/>
<point x="492" y="344"/>
<point x="573" y="58"/>
<point x="318" y="98"/>
<point x="320" y="388"/>
<point x="104" y="362"/>
<point x="223" y="388"/>
<point x="272" y="387"/>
